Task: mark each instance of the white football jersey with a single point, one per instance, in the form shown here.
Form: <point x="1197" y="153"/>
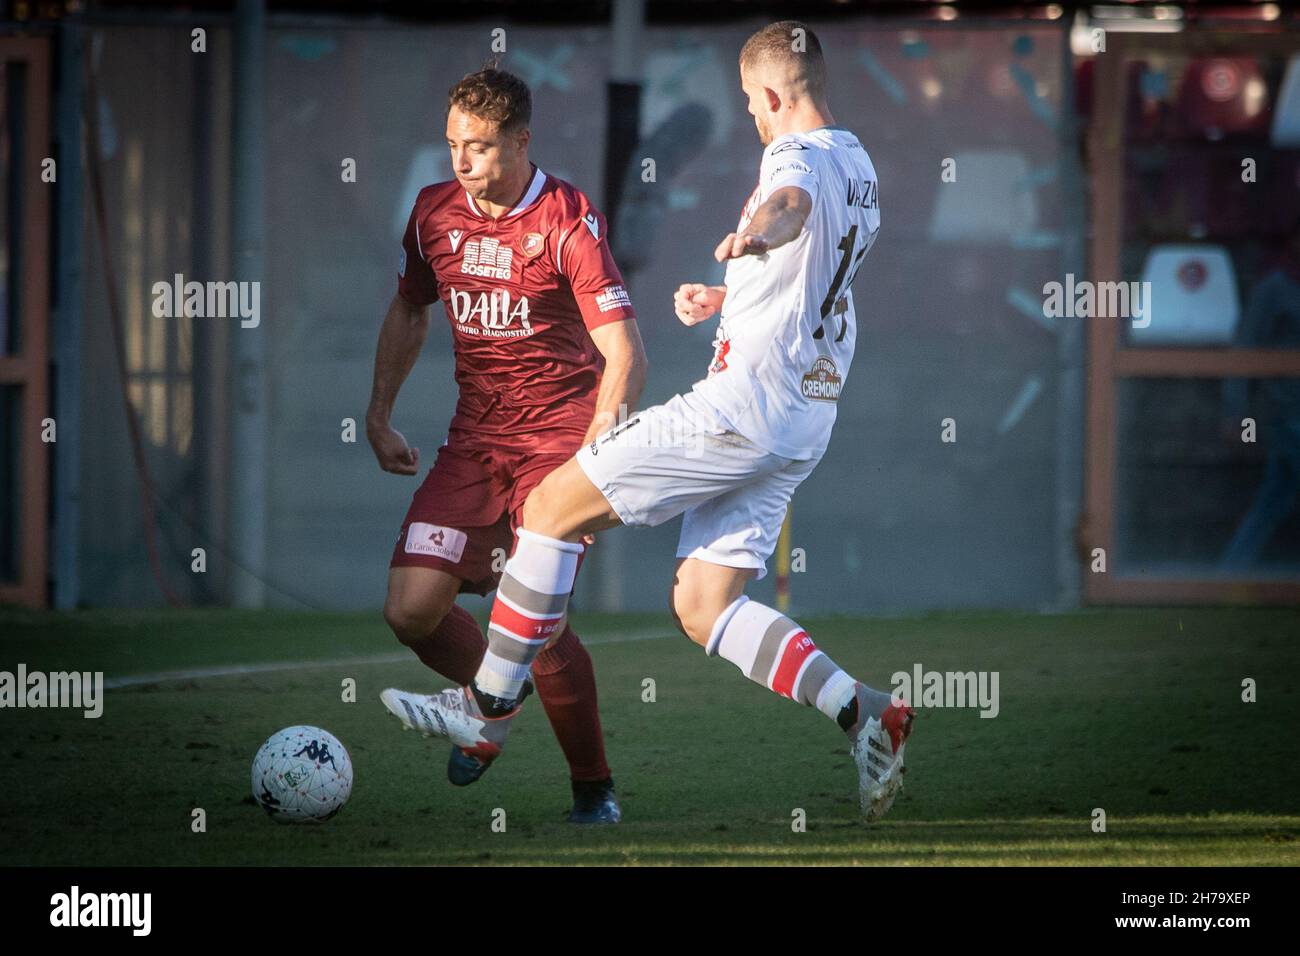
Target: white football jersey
<point x="785" y="340"/>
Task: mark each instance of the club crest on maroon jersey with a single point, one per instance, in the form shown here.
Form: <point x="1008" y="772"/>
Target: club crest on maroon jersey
<point x="532" y="244"/>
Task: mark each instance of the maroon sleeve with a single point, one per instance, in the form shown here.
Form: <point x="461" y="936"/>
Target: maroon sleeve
<point x="585" y="260"/>
<point x="416" y="282"/>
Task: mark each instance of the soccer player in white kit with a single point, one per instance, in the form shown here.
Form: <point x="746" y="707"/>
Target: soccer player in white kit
<point x="729" y="453"/>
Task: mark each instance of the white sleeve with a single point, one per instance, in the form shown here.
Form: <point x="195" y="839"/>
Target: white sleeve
<point x="788" y="163"/>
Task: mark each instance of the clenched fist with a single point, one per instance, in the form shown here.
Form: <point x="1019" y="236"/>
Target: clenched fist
<point x="694" y="301"/>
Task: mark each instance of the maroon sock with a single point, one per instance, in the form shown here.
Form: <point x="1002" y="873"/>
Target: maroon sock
<point x="566" y="685"/>
<point x="455" y="647"/>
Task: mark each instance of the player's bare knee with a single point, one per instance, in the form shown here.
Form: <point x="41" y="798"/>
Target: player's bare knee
<point x="691" y="613"/>
<point x="534" y="511"/>
<point x="398" y="619"/>
<point x="411" y="621"/>
<point x="697" y="627"/>
<point x="682" y="601"/>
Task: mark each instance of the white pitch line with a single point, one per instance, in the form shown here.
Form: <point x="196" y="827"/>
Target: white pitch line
<point x="236" y="670"/>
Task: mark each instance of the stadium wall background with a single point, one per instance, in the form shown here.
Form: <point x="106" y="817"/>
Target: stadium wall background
<point x="893" y="519"/>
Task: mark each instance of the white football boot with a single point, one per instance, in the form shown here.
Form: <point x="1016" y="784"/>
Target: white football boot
<point x="878" y="752"/>
<point x="453" y="714"/>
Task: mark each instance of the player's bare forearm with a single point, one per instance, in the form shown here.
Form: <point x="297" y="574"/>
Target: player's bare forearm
<point x="624" y="376"/>
<point x="400" y="339"/>
<point x="779" y="220"/>
<point x="620" y="388"/>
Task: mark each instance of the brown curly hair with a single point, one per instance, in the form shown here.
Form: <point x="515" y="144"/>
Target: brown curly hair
<point x="495" y="95"/>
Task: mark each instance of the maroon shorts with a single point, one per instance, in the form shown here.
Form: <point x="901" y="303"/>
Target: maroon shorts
<point x="463" y="517"/>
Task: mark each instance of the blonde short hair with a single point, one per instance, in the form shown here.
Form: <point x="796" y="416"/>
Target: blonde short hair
<point x="792" y="44"/>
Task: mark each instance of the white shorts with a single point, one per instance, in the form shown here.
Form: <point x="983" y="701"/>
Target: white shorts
<point x="676" y="458"/>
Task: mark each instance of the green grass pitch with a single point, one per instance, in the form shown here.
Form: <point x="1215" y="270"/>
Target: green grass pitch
<point x="1138" y="712"/>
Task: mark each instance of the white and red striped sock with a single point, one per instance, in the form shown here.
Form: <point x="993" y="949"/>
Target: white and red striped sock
<point x="530" y="608"/>
<point x="772" y="650"/>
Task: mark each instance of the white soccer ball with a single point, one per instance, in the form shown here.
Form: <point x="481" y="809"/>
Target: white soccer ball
<point x="302" y="775"/>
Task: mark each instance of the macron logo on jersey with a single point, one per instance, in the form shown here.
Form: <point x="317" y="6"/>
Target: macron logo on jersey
<point x="455" y="236"/>
<point x="593" y="226"/>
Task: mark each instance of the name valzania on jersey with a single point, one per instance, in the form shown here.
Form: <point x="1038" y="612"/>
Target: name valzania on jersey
<point x="785" y="341"/>
<point x="522" y="293"/>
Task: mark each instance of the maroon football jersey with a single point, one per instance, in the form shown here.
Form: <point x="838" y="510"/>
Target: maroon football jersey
<point x="521" y="293"/>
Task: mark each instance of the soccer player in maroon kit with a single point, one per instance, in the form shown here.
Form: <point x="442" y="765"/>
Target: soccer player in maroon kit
<point x="547" y="350"/>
